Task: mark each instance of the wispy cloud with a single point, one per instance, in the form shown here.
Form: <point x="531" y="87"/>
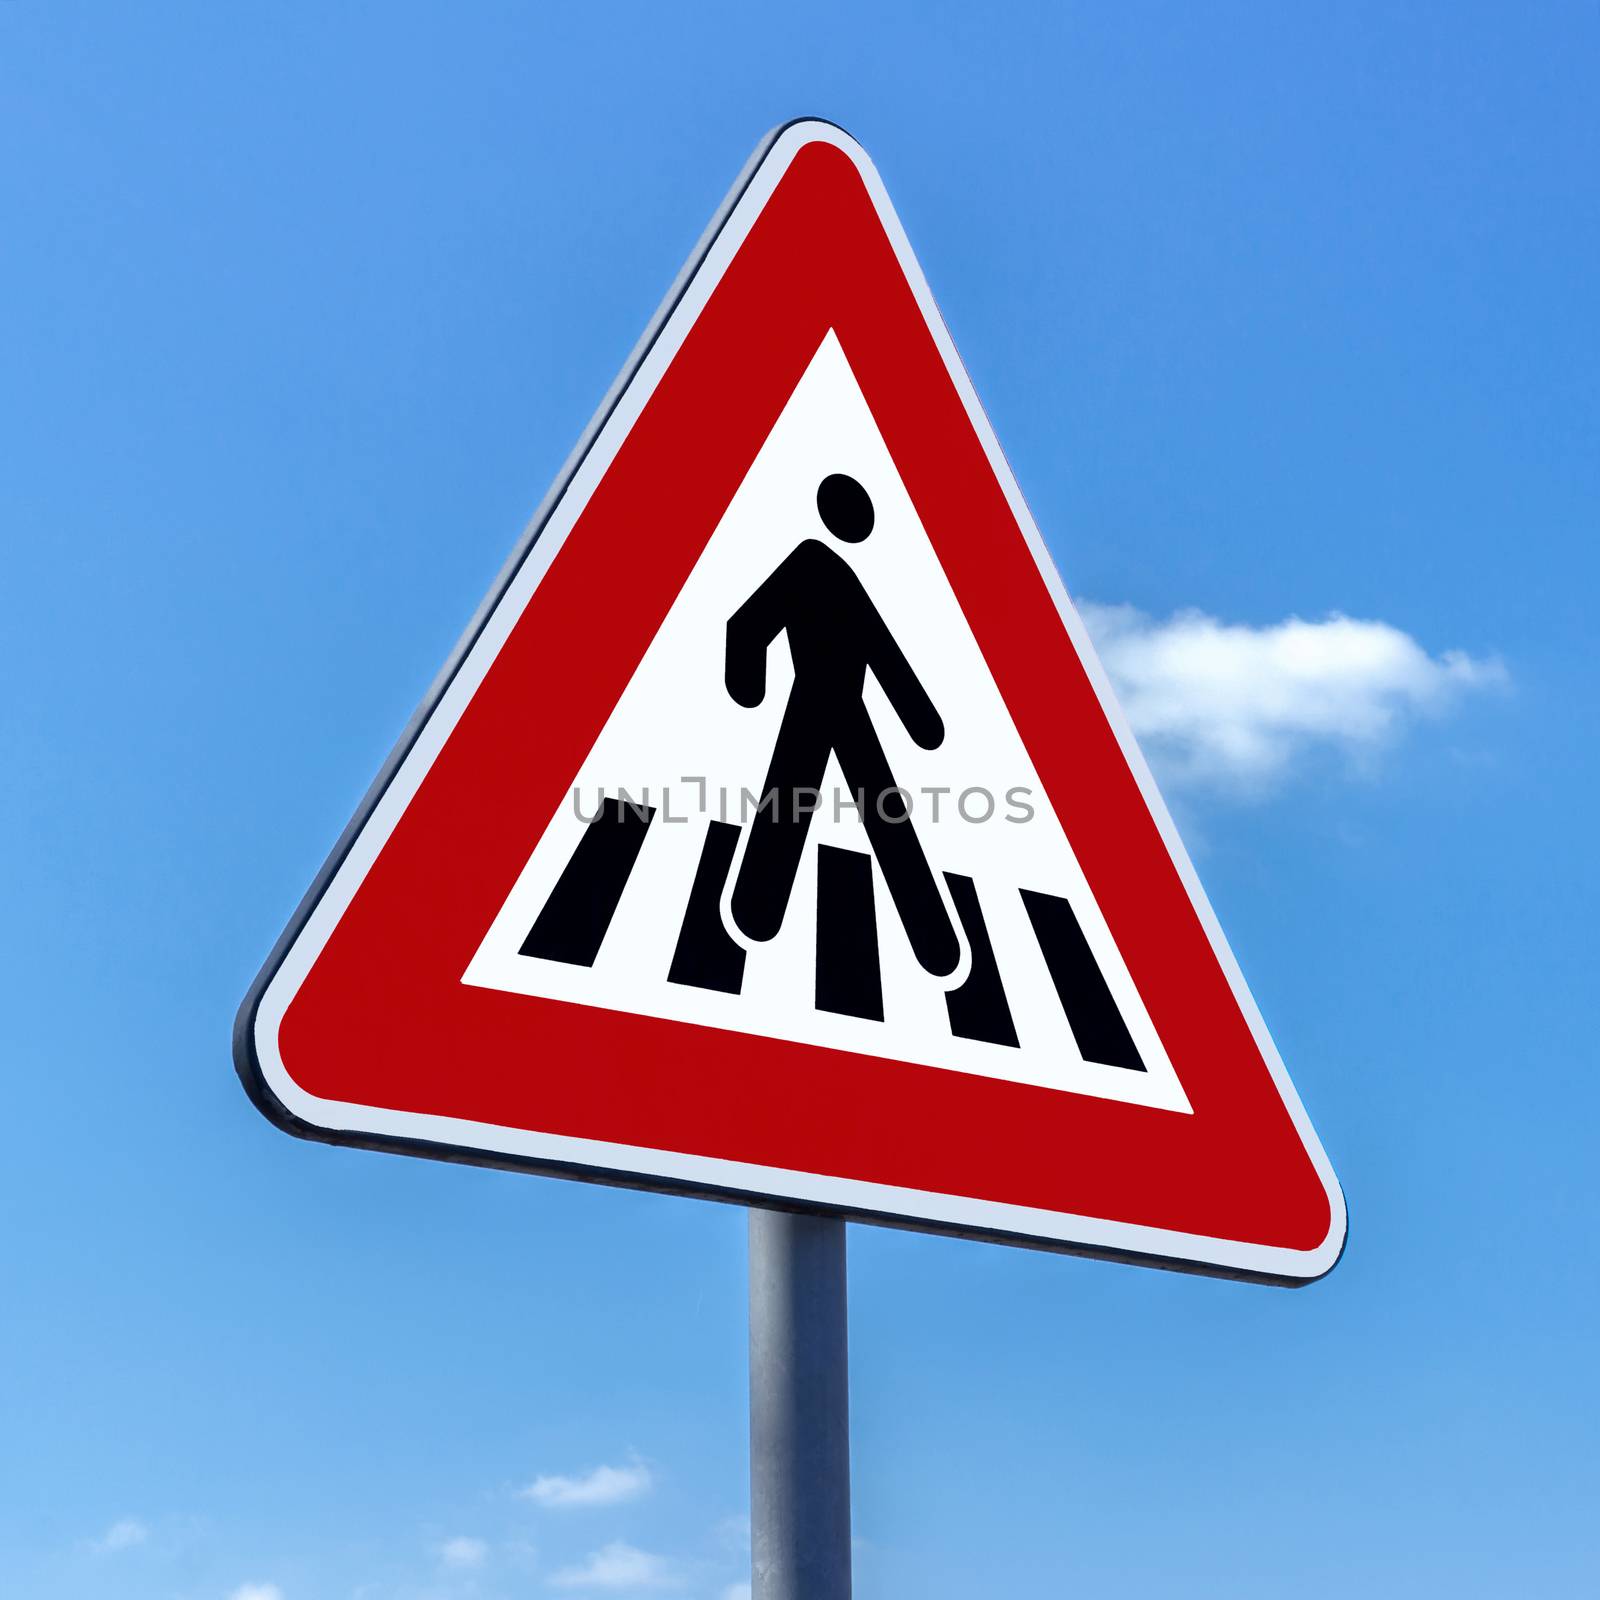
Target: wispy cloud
<point x="736" y="1591"/>
<point x="463" y="1554"/>
<point x="257" y="1591"/>
<point x="604" y="1486"/>
<point x="1234" y="707"/>
<point x="123" y="1534"/>
<point x="618" y="1566"/>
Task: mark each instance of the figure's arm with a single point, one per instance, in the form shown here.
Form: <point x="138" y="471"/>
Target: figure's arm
<point x="902" y="686"/>
<point x="751" y="629"/>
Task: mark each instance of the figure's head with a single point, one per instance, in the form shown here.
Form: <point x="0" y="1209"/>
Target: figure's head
<point x="845" y="508"/>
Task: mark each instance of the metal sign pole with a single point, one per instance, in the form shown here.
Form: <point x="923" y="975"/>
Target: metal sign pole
<point x="799" y="1408"/>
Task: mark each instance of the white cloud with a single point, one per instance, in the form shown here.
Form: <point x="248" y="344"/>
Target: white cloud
<point x="257" y="1591"/>
<point x="123" y="1534"/>
<point x="618" y="1566"/>
<point x="1231" y="706"/>
<point x="463" y="1554"/>
<point x="604" y="1486"/>
<point x="736" y="1591"/>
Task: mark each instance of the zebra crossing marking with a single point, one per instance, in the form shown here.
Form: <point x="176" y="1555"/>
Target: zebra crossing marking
<point x="572" y="924"/>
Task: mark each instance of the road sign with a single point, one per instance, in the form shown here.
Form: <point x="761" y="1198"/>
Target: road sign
<point x="773" y="833"/>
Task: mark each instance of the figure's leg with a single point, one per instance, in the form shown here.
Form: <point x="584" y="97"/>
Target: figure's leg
<point x="885" y="814"/>
<point x="782" y="821"/>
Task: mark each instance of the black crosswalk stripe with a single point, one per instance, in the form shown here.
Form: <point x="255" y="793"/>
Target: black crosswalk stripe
<point x="978" y="1009"/>
<point x="849" y="980"/>
<point x="572" y="926"/>
<point x="707" y="956"/>
<point x="1092" y="1011"/>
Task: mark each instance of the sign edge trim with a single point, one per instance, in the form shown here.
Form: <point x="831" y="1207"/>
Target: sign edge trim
<point x="1130" y="1242"/>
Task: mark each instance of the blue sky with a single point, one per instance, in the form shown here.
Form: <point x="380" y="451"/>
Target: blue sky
<point x="1279" y="313"/>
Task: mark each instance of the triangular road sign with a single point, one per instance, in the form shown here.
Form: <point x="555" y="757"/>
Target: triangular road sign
<point x="773" y="833"/>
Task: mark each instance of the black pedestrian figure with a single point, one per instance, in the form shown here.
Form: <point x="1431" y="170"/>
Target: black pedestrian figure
<point x="835" y="636"/>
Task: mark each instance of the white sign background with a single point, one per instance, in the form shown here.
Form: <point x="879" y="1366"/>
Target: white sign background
<point x="676" y="722"/>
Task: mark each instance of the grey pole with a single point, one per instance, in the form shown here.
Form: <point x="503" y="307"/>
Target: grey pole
<point x="799" y="1408"/>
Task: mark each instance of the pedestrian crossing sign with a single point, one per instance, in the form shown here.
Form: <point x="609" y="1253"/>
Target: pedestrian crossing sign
<point x="773" y="834"/>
